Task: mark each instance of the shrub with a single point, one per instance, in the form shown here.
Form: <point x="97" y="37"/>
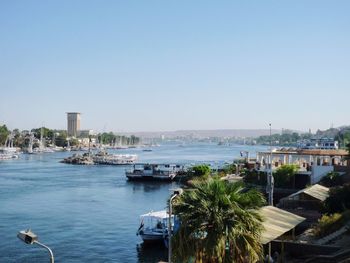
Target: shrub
<point x="338" y="199"/>
<point x="332" y="179"/>
<point x="328" y="224"/>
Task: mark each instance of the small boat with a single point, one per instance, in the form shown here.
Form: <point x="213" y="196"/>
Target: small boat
<point x="147" y="150"/>
<point x="153" y="172"/>
<point x="154" y="226"/>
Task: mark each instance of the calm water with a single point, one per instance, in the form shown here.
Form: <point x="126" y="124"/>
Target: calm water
<point x="87" y="213"/>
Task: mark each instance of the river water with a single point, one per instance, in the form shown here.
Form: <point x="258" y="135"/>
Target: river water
<point x="88" y="213"/>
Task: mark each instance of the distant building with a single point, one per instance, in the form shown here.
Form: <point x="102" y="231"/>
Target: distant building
<point x="73" y="124"/>
<point x="323" y="143"/>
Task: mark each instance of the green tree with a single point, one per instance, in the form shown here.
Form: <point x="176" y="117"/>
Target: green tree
<point x="4" y="132"/>
<point x="285" y="175"/>
<point x="201" y="171"/>
<point x="219" y="223"/>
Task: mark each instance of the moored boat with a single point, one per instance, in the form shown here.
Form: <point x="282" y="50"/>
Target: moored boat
<point x="153" y="172"/>
<point x="154" y="226"/>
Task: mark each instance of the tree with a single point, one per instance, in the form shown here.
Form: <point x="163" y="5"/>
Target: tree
<point x="285" y="175"/>
<point x="201" y="171"/>
<point x="219" y="223"/>
<point x="4" y="132"/>
<point x="338" y="199"/>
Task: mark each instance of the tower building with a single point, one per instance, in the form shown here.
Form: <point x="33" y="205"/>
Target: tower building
<point x="73" y="123"/>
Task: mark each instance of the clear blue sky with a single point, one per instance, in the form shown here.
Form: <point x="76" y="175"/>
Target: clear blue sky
<point x="168" y="65"/>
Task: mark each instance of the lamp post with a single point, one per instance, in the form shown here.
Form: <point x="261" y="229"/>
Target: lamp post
<point x="28" y="237"/>
<point x="175" y="193"/>
<point x="270" y="177"/>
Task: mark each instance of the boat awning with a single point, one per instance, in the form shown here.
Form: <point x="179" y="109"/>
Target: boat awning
<point x="316" y="191"/>
<point x="276" y="222"/>
<point x="157" y="214"/>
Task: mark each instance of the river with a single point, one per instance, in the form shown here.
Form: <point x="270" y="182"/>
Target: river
<point x="88" y="213"/>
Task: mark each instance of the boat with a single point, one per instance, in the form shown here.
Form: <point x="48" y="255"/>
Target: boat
<point x="103" y="157"/>
<point x="154" y="172"/>
<point x="147" y="150"/>
<point x="8" y="151"/>
<point x="154" y="226"/>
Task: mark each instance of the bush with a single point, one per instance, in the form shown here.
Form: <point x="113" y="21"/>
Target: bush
<point x="332" y="179"/>
<point x="338" y="199"/>
<point x="328" y="224"/>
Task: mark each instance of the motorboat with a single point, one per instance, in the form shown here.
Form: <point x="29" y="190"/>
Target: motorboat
<point x="154" y="226"/>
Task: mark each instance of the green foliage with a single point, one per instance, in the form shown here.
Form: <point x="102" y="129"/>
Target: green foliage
<point x="285" y="175"/>
<point x="201" y="171"/>
<point x="110" y="138"/>
<point x="47" y="133"/>
<point x="338" y="199"/>
<point x="219" y="223"/>
<point x="4" y="132"/>
<point x="328" y="224"/>
<point x="254" y="177"/>
<point x="230" y="169"/>
<point x="285" y="139"/>
<point x="332" y="179"/>
<point x="61" y="139"/>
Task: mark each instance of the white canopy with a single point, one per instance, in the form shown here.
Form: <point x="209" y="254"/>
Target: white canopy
<point x="277" y="222"/>
<point x="157" y="214"/>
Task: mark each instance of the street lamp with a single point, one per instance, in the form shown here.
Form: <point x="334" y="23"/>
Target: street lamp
<point x="28" y="237"/>
<point x="270" y="176"/>
<point x="175" y="193"/>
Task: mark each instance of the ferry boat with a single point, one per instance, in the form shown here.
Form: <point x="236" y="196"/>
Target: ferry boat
<point x="104" y="157"/>
<point x="154" y="172"/>
<point x="154" y="226"/>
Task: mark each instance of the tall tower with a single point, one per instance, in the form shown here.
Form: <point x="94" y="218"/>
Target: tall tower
<point x="73" y="123"/>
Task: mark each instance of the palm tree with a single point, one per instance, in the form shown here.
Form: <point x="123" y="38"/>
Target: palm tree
<point x="219" y="223"/>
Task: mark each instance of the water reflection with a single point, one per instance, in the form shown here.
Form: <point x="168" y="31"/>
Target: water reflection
<point x="150" y="186"/>
<point x="150" y="253"/>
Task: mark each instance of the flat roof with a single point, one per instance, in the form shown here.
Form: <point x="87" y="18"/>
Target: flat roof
<point x="276" y="222"/>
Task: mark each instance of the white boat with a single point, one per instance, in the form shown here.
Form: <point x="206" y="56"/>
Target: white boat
<point x="104" y="157"/>
<point x="8" y="151"/>
<point x="154" y="226"/>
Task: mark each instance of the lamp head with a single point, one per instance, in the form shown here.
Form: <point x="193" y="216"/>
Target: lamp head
<point x="27" y="236"/>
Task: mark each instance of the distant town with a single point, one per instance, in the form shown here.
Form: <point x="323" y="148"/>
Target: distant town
<point x="73" y="136"/>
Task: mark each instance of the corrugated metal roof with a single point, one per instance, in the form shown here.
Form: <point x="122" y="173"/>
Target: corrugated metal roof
<point x="316" y="191"/>
<point x="277" y="222"/>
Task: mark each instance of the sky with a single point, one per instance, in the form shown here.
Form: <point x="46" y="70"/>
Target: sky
<point x="173" y="65"/>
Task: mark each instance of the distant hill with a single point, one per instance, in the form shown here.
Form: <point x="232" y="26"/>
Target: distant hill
<point x="252" y="133"/>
